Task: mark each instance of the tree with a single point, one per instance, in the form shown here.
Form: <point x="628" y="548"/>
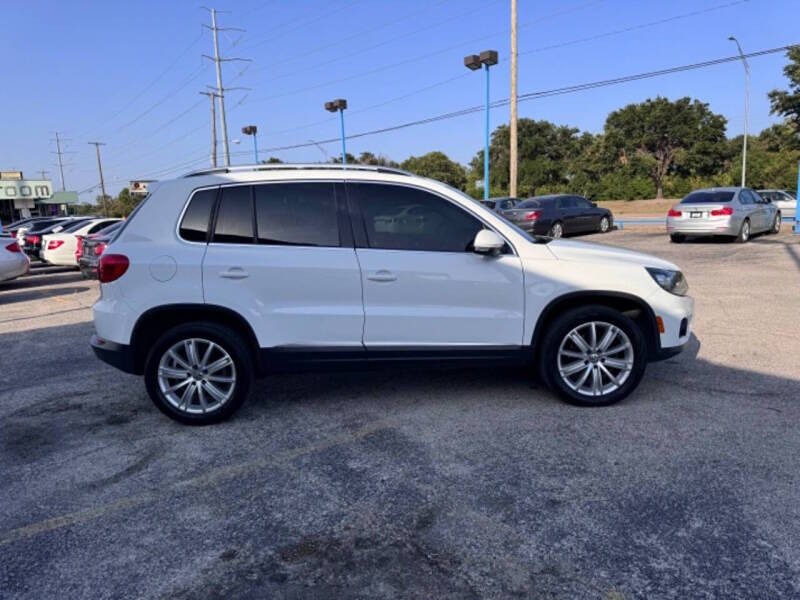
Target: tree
<point x="544" y="150"/>
<point x="682" y="137"/>
<point x="437" y="165"/>
<point x="787" y="103"/>
<point x="272" y="160"/>
<point x="368" y="158"/>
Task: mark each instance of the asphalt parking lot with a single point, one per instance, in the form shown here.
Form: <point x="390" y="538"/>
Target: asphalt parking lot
<point x="462" y="484"/>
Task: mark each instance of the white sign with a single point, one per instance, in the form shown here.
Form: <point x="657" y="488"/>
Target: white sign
<point x="139" y="188"/>
<point x="25" y="189"/>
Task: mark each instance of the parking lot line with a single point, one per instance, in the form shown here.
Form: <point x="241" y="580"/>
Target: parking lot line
<point x="214" y="476"/>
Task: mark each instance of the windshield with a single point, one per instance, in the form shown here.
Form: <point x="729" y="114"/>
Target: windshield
<point x="73" y="226"/>
<point x="708" y="197"/>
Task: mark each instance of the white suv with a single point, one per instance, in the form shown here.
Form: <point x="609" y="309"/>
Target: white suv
<point x="229" y="274"/>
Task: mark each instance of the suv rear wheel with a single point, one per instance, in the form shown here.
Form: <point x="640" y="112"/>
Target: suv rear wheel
<point x="199" y="373"/>
<point x="593" y="356"/>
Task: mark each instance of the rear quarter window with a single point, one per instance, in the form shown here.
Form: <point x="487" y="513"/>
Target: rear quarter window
<point x="196" y="219"/>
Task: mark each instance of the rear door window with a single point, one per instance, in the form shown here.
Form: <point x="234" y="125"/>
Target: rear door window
<point x="234" y="222"/>
<point x="297" y="214"/>
<point x="194" y="226"/>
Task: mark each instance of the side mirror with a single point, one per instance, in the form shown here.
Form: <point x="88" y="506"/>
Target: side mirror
<point x="488" y="242"/>
<point x="594" y="204"/>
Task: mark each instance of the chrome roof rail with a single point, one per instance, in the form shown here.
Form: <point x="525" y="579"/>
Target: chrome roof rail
<point x="296" y="167"/>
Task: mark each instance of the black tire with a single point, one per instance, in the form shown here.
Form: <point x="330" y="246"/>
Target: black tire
<point x="230" y="341"/>
<point x="677" y="238"/>
<point x="563" y="325"/>
<point x="776" y="224"/>
<point x="556" y="230"/>
<point x="604" y="228"/>
<point x="744" y="232"/>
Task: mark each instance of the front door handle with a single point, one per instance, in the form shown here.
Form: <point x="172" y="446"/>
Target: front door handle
<point x="382" y="275"/>
<point x="234" y="273"/>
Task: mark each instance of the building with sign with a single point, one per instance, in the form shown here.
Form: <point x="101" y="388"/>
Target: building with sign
<point x="21" y="198"/>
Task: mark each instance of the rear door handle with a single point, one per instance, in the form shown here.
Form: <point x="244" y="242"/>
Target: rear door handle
<point x="234" y="273"/>
<point x="382" y="275"/>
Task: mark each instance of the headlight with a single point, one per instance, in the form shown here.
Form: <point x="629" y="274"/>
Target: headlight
<point x="672" y="281"/>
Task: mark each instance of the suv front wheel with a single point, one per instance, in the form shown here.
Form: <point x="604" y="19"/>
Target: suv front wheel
<point x="198" y="373"/>
<point x="593" y="356"/>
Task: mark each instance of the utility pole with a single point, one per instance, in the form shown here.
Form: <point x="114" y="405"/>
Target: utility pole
<point x="100" y="169"/>
<point x="60" y="161"/>
<point x="44" y="173"/>
<point x="213" y="97"/>
<point x="512" y="175"/>
<point x="220" y="91"/>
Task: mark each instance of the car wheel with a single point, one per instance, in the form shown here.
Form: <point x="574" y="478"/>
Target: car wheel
<point x="677" y="238"/>
<point x="744" y="232"/>
<point x="605" y="225"/>
<point x="776" y="224"/>
<point x="199" y="373"/>
<point x="593" y="356"/>
<point x="556" y="230"/>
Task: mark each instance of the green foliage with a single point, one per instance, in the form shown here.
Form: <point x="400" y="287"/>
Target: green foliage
<point x="682" y="137"/>
<point x="437" y="165"/>
<point x="787" y="102"/>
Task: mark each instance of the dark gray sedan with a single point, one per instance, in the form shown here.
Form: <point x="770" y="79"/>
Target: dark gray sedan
<point x="559" y="214"/>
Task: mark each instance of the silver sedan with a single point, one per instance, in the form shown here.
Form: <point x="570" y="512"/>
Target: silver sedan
<point x="731" y="212"/>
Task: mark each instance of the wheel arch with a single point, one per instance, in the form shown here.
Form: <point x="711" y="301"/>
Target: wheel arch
<point x="155" y="321"/>
<point x="632" y="306"/>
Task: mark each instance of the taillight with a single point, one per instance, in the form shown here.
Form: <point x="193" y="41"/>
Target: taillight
<point x="533" y="215"/>
<point x="13" y="247"/>
<point x="725" y="211"/>
<point x="100" y="248"/>
<point x="111" y="267"/>
<point x="78" y="246"/>
<point x="32" y="239"/>
<point x="53" y="244"/>
<point x="673" y="213"/>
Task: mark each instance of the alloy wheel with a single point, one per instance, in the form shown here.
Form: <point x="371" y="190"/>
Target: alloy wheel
<point x="196" y="376"/>
<point x="777" y="225"/>
<point x="604" y="225"/>
<point x="745" y="231"/>
<point x="556" y="230"/>
<point x="595" y="358"/>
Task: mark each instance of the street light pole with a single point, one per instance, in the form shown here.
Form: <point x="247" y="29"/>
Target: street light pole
<point x="339" y="105"/>
<point x="473" y="62"/>
<point x="746" y="107"/>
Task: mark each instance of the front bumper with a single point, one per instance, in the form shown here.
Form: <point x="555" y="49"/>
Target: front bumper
<point x="117" y="355"/>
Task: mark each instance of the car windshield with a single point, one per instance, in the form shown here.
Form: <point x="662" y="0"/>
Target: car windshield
<point x="708" y="197"/>
<point x="529" y="203"/>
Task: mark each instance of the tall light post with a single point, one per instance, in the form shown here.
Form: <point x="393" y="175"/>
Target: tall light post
<point x="473" y="62"/>
<point x="339" y="105"/>
<point x="746" y="106"/>
<point x="252" y="130"/>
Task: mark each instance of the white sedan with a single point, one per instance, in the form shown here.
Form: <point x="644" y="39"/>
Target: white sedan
<point x="13" y="261"/>
<point x="59" y="248"/>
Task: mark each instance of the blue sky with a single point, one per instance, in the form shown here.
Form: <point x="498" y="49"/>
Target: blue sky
<point x="128" y="74"/>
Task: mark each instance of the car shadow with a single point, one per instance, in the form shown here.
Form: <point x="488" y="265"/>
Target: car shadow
<point x="33" y="280"/>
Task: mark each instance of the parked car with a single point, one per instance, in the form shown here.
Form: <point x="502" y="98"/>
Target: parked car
<point x="500" y="204"/>
<point x="91" y="247"/>
<point x="249" y="271"/>
<point x="59" y="248"/>
<point x="13" y="262"/>
<point x="560" y="214"/>
<point x="32" y="239"/>
<point x="732" y="212"/>
<point x="784" y="201"/>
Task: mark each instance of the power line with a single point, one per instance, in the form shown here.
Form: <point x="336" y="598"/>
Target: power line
<point x="543" y="94"/>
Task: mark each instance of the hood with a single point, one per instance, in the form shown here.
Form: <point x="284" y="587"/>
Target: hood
<point x="600" y="253"/>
